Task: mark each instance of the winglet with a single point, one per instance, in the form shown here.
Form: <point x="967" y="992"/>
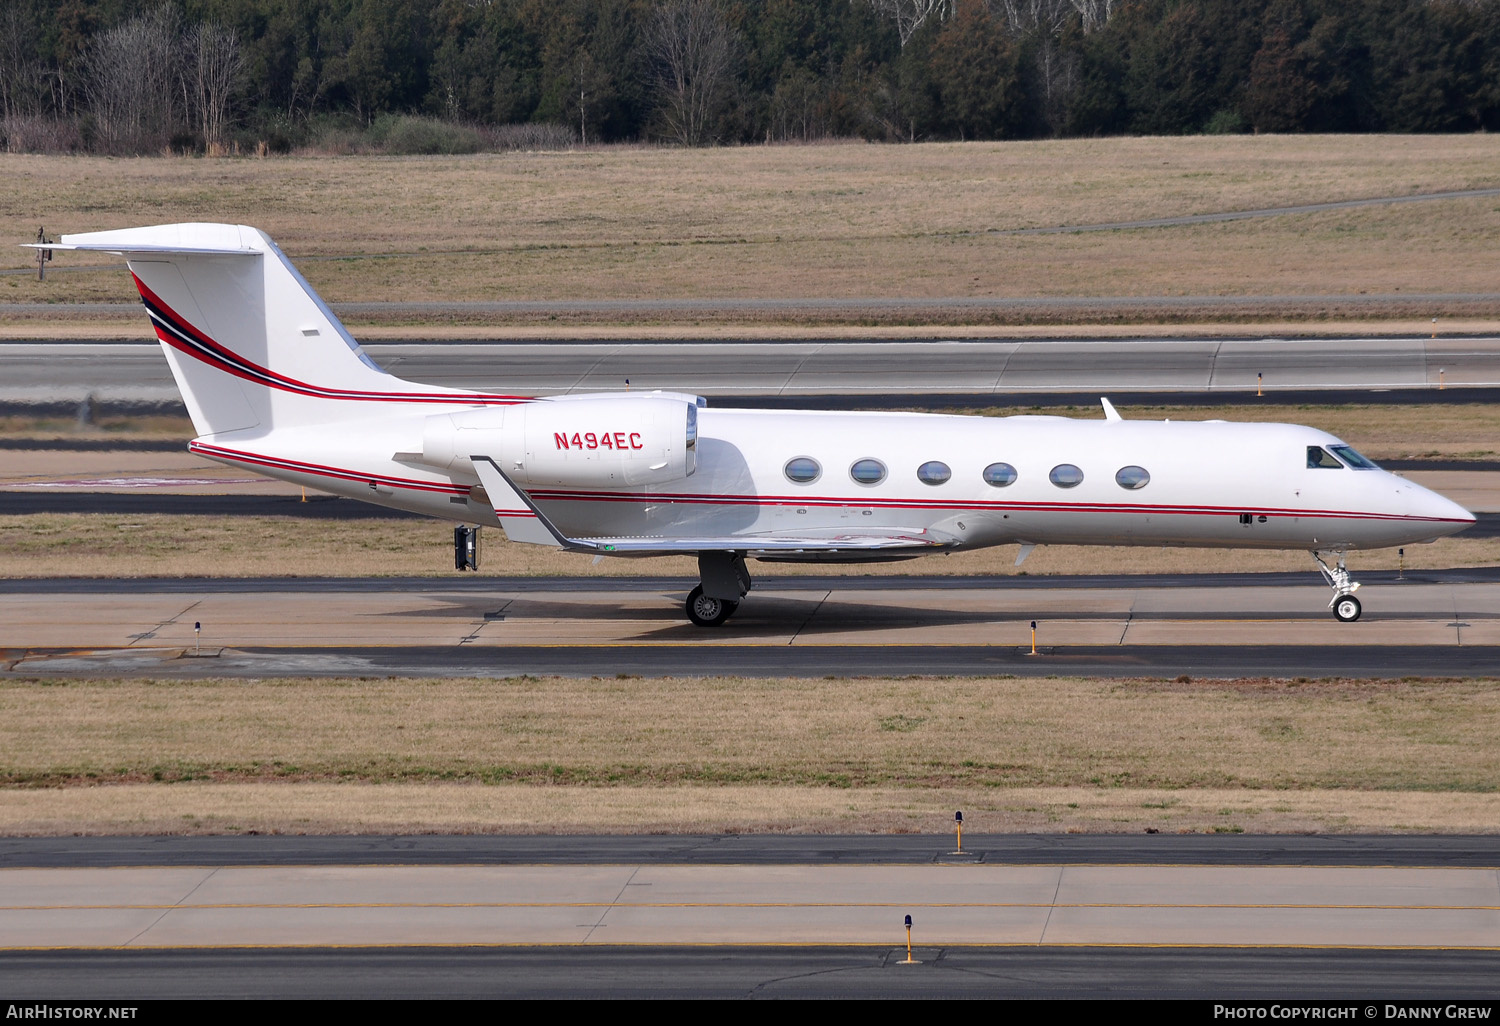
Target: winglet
<point x="519" y="516"/>
<point x="1110" y="413"/>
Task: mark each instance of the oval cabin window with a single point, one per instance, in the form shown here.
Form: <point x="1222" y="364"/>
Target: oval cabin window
<point x="803" y="470"/>
<point x="999" y="475"/>
<point x="867" y="472"/>
<point x="933" y="473"/>
<point x="1132" y="477"/>
<point x="1065" y="475"/>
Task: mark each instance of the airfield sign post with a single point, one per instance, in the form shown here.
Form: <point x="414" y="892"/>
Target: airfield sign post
<point x="42" y="256"/>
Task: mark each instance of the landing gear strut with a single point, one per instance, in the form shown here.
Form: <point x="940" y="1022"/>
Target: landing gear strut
<point x="723" y="581"/>
<point x="1345" y="606"/>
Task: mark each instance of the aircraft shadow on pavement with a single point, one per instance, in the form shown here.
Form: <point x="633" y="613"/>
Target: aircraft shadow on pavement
<point x="821" y="613"/>
<point x="758" y="617"/>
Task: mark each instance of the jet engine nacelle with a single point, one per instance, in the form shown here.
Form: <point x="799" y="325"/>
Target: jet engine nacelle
<point x="595" y="442"/>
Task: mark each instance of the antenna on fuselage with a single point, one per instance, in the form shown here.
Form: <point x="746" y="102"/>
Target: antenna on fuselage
<point x="1110" y="413"/>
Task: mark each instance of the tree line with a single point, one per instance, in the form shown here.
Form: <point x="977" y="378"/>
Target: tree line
<point x="145" y="76"/>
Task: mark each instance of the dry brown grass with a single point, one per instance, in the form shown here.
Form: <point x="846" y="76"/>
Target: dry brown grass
<point x="831" y="221"/>
<point x="728" y="753"/>
<point x="208" y="808"/>
<point x="101" y="429"/>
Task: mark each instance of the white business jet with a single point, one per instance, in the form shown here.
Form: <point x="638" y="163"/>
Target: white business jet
<point x="274" y="383"/>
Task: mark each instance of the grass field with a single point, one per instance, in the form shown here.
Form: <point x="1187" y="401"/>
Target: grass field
<point x="737" y="753"/>
<point x="842" y="221"/>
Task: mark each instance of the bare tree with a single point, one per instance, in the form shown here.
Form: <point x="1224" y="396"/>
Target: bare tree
<point x="1095" y="13"/>
<point x="909" y="15"/>
<point x="1024" y="17"/>
<point x="1043" y="22"/>
<point x="131" y="82"/>
<point x="693" y="49"/>
<point x="214" y="66"/>
<point x="20" y="71"/>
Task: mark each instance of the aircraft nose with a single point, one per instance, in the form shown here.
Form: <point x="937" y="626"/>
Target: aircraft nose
<point x="1447" y="516"/>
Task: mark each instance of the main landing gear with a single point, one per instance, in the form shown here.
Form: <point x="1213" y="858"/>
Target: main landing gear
<point x="723" y="581"/>
<point x="1345" y="606"/>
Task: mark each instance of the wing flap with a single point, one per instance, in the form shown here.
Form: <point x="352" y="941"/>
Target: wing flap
<point x="895" y="541"/>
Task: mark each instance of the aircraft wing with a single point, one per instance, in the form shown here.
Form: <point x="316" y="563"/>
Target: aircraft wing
<point x="524" y="522"/>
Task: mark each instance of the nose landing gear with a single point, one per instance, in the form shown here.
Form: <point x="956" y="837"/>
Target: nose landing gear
<point x="1345" y="606"/>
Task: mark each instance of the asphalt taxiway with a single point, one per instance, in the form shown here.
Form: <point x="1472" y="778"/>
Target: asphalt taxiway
<point x="1222" y="625"/>
<point x="1060" y="916"/>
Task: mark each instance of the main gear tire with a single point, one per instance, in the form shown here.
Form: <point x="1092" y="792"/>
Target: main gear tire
<point x="708" y="612"/>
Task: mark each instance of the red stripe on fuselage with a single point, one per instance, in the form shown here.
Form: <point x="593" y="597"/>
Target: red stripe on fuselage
<point x="230" y="362"/>
<point x="416" y="484"/>
<point x="320" y="470"/>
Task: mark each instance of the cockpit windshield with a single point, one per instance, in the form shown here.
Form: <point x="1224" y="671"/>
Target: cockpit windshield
<point x="1318" y="459"/>
<point x="1354" y="459"/>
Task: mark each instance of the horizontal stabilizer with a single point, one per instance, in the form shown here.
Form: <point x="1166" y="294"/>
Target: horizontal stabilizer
<point x="163" y="240"/>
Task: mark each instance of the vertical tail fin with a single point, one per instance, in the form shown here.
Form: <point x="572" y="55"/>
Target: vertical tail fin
<point x="250" y="343"/>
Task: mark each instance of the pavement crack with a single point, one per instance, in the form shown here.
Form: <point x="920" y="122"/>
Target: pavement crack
<point x="1047" y="922"/>
<point x="790" y="378"/>
<point x="175" y="905"/>
<point x="611" y="906"/>
<point x="882" y="963"/>
<point x="1004" y="365"/>
<point x="803" y="625"/>
<point x="148" y="635"/>
<point x="582" y="380"/>
<point x="474" y="634"/>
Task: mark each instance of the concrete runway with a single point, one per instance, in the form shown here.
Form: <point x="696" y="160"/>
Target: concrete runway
<point x="38" y="373"/>
<point x="1429" y="623"/>
<point x="1196" y="917"/>
<point x="953" y="904"/>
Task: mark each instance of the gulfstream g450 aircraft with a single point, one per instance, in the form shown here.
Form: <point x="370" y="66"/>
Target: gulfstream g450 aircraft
<point x="274" y="383"/>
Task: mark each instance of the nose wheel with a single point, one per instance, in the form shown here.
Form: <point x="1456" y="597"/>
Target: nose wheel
<point x="708" y="612"/>
<point x="1345" y="606"/>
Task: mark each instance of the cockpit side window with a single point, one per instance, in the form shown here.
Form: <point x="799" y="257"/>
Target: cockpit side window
<point x="1357" y="460"/>
<point x="1319" y="459"/>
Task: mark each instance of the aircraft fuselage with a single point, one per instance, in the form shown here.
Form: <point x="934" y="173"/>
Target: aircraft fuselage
<point x="1204" y="483"/>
